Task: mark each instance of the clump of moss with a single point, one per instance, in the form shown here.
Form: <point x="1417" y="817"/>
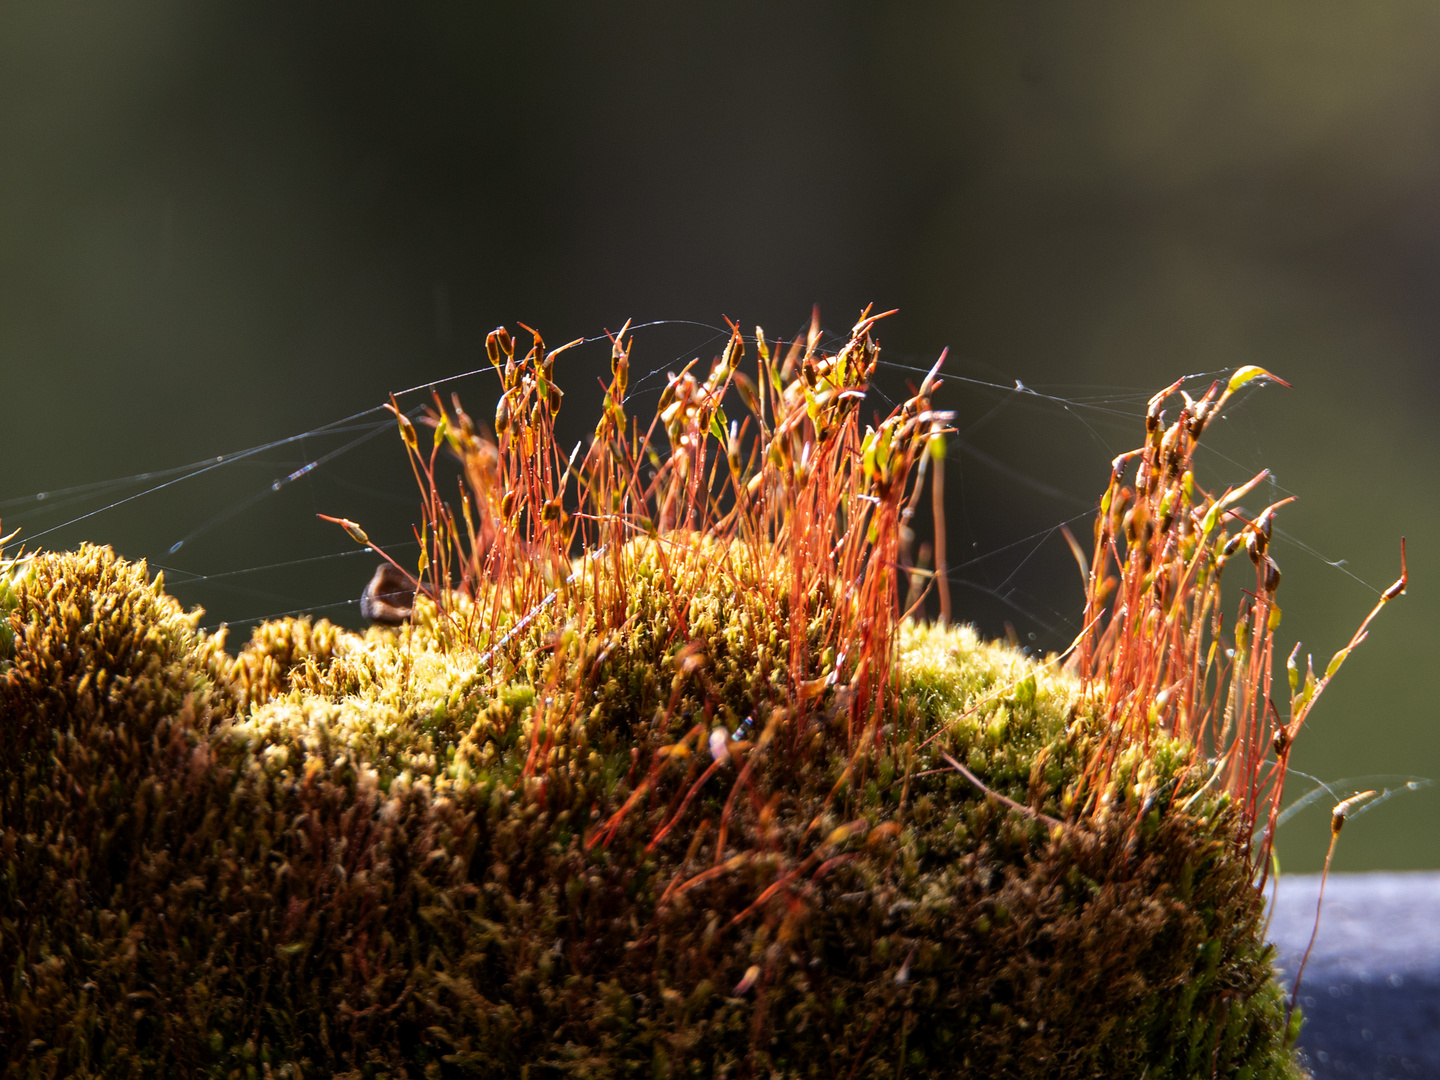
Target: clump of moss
<point x="280" y="656"/>
<point x="691" y="800"/>
<point x="357" y="873"/>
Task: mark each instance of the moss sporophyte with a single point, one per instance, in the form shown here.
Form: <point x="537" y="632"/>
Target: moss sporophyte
<point x="654" y="775"/>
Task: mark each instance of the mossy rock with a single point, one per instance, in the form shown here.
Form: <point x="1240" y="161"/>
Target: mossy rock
<point x="344" y="855"/>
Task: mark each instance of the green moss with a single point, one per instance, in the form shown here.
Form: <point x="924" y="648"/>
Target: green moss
<point x="339" y="854"/>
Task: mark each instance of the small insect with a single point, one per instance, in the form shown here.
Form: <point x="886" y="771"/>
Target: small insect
<point x="389" y="598"/>
<point x="720" y="742"/>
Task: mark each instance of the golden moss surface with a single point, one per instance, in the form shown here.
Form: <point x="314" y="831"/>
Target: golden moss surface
<point x="339" y="854"/>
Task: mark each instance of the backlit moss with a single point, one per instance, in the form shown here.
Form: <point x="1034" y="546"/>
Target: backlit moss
<point x="343" y="855"/>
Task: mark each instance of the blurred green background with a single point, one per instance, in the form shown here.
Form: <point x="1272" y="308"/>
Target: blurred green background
<point x="223" y="224"/>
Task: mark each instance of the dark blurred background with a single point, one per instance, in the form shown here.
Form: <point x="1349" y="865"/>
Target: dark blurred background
<point x="224" y="224"/>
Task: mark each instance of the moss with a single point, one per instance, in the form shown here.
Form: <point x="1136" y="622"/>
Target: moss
<point x="283" y="655"/>
<point x="342" y="855"/>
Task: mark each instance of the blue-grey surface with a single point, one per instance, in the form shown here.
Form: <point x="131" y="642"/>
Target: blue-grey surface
<point x="1371" y="991"/>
